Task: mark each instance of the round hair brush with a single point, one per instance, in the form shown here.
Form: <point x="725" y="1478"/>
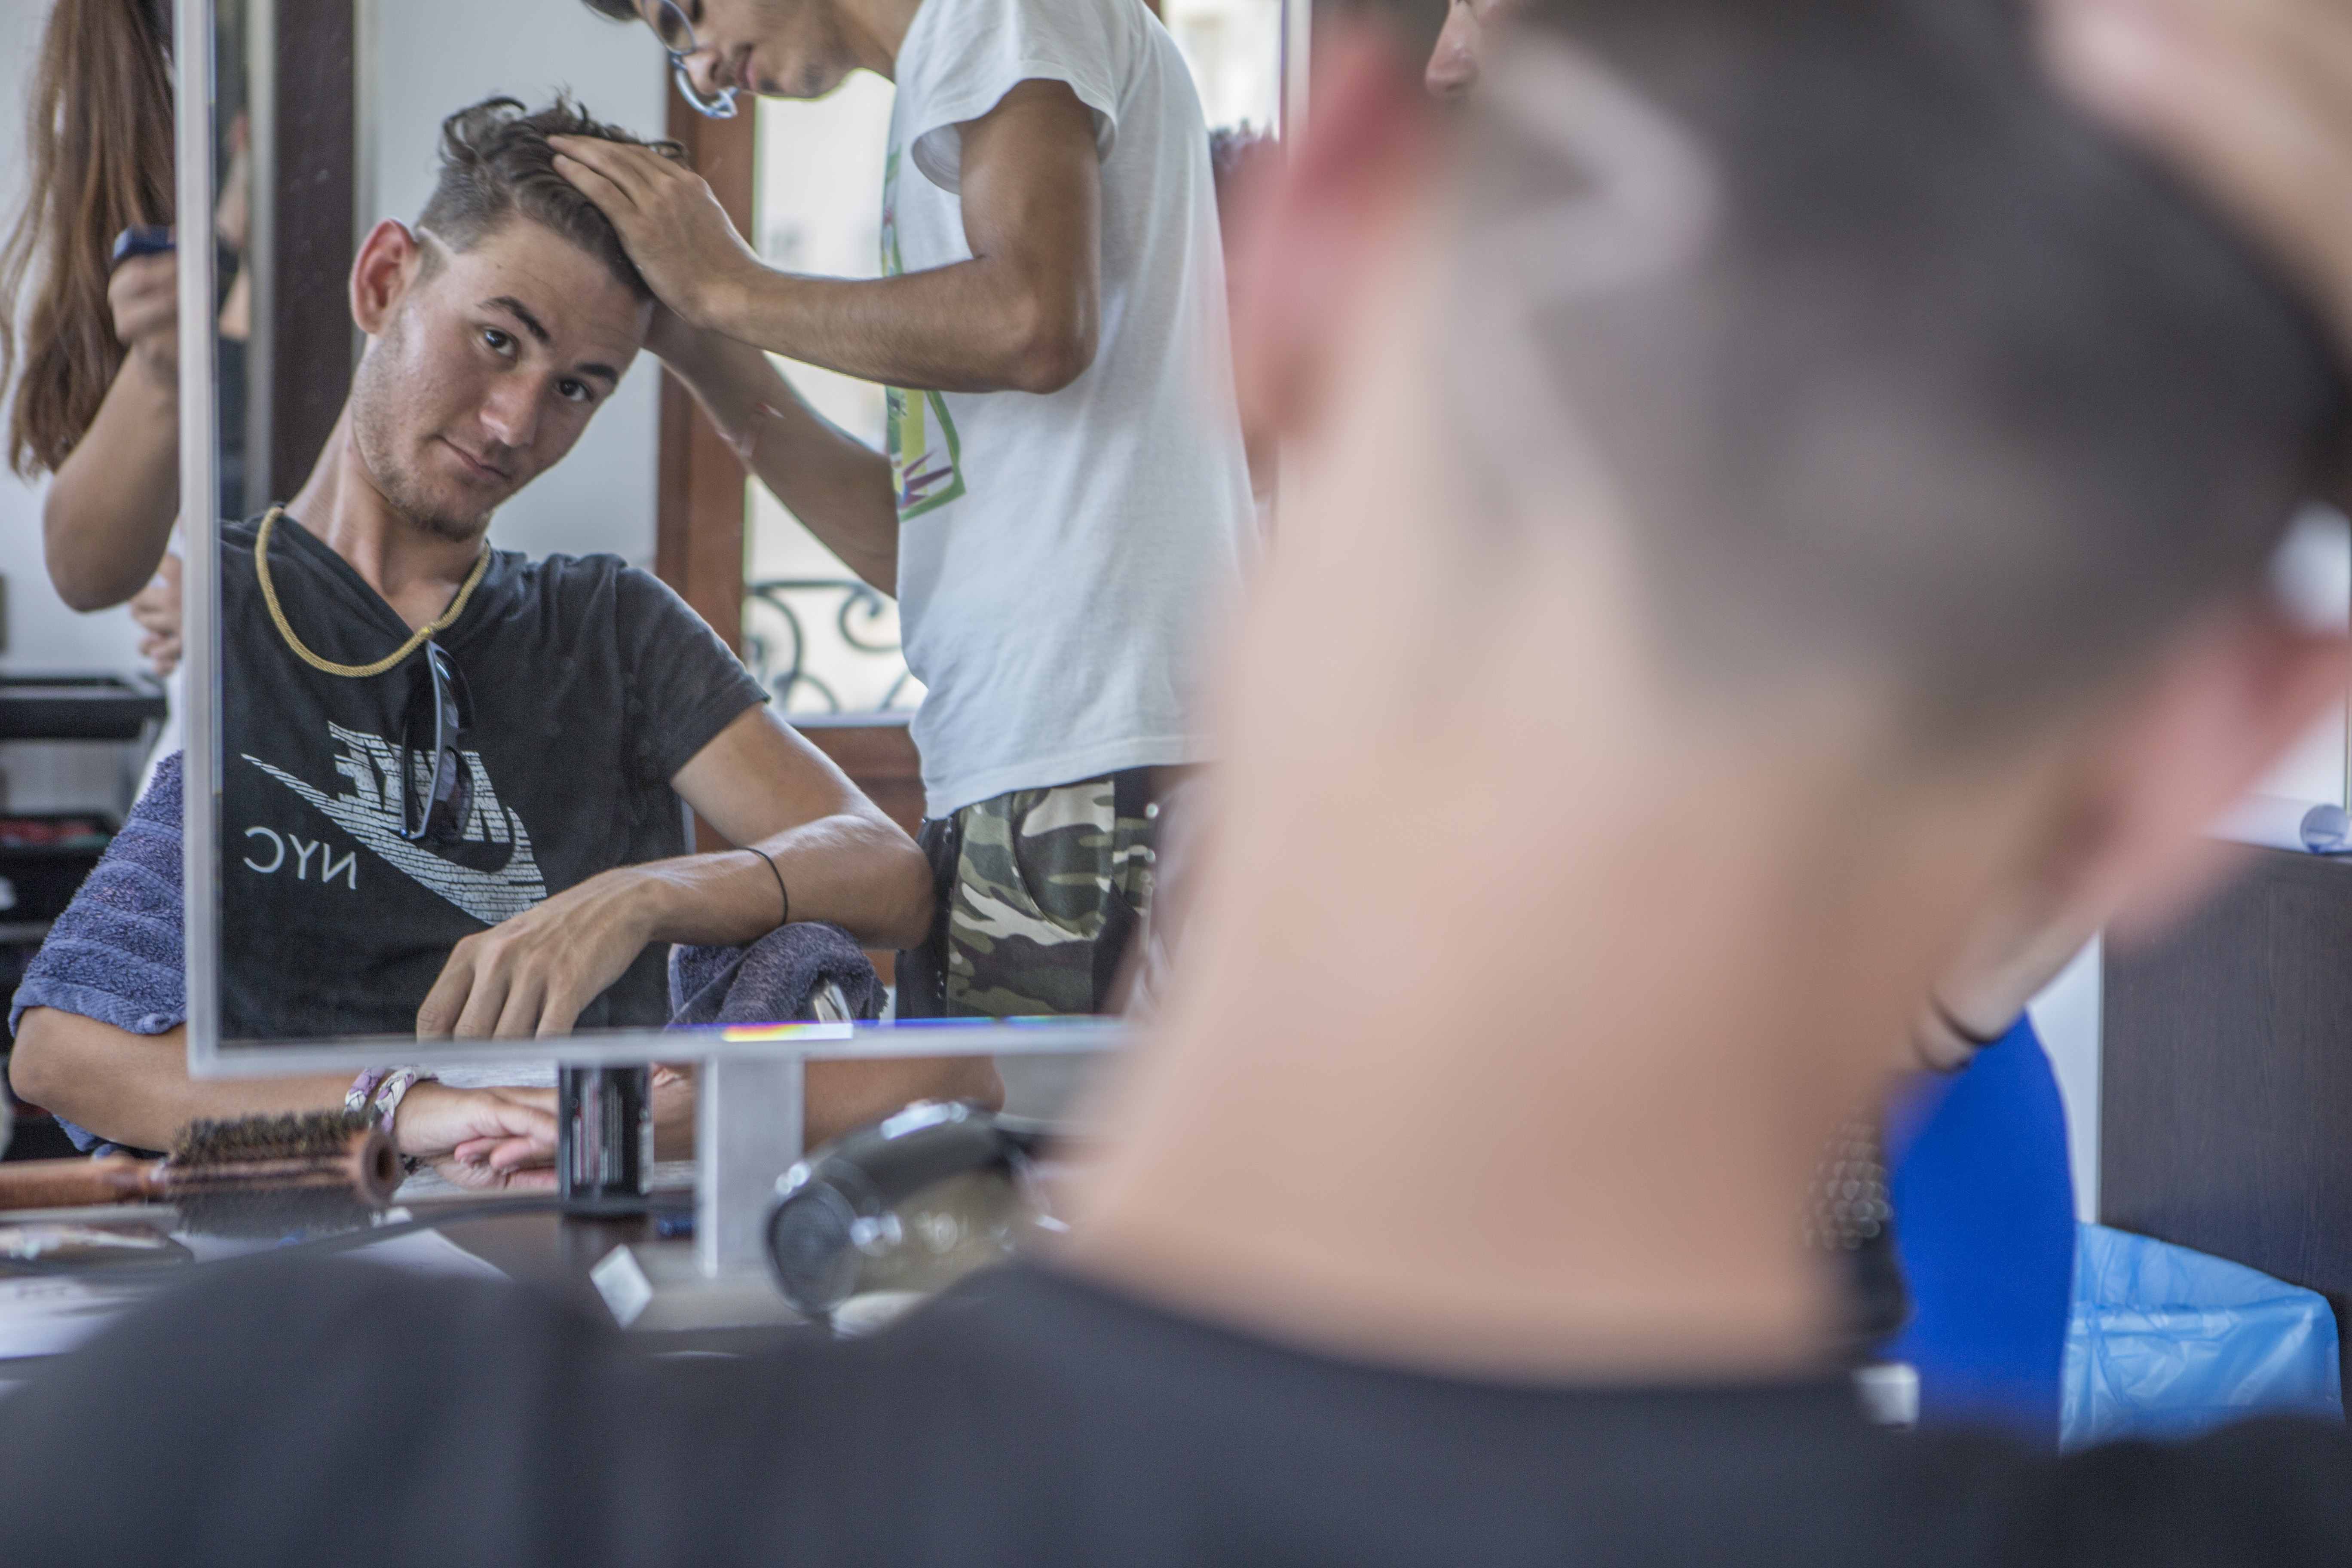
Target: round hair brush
<point x="317" y="1167"/>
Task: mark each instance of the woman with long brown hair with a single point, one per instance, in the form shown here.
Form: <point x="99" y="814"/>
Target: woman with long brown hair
<point x="93" y="348"/>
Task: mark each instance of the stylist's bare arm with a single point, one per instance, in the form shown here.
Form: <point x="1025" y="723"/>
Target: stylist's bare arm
<point x="1023" y="314"/>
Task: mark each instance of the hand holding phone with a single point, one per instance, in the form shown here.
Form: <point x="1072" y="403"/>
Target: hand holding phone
<point x="144" y="297"/>
<point x="142" y="239"/>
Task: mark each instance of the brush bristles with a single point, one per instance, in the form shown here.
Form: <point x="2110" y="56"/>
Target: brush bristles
<point x="274" y="1175"/>
<point x="299" y="1135"/>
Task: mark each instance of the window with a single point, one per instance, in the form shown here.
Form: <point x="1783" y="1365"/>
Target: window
<point x="820" y="639"/>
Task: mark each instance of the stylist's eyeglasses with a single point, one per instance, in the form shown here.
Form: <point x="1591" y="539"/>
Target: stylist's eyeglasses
<point x="677" y="35"/>
<point x="436" y="787"/>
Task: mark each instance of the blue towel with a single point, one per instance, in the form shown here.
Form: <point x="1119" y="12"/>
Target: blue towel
<point x="117" y="953"/>
<point x="773" y="980"/>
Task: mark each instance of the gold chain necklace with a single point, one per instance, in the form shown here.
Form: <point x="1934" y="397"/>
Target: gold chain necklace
<point x="416" y="639"/>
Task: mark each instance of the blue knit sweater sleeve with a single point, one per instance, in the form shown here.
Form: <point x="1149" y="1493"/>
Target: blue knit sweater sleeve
<point x="117" y="953"/>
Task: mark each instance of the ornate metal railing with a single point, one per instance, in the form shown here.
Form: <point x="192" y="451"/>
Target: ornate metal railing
<point x="776" y="643"/>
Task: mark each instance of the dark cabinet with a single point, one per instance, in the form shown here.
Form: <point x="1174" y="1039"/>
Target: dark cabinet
<point x="2226" y="1073"/>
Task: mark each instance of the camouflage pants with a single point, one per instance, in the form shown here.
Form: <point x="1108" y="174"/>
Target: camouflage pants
<point x="1041" y="892"/>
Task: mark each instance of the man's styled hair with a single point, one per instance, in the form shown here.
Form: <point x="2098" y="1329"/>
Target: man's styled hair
<point x="496" y="165"/>
<point x="1894" y="360"/>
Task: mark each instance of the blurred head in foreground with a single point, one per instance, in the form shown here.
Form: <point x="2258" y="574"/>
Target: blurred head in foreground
<point x="1781" y="491"/>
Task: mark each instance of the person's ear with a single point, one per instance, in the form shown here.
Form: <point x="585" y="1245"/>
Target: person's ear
<point x="387" y="267"/>
<point x="1310" y="239"/>
<point x="2221" y="713"/>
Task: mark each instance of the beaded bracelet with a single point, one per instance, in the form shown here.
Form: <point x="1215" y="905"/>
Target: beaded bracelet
<point x="379" y="1091"/>
<point x="362" y="1091"/>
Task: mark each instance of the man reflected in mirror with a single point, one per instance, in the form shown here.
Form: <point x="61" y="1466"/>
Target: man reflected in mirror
<point x="451" y="776"/>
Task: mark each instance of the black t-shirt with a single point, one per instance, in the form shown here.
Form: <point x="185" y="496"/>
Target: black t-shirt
<point x="1027" y="1419"/>
<point x="592" y="684"/>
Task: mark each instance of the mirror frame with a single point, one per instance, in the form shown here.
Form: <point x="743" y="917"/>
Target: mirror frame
<point x="210" y="1056"/>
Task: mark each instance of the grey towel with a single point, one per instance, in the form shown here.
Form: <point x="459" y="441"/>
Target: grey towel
<point x="773" y="980"/>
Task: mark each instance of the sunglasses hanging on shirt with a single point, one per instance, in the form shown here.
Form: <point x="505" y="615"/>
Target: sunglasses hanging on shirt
<point x="437" y="787"/>
<point x="437" y="792"/>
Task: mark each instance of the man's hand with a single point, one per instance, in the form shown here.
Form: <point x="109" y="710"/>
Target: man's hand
<point x="144" y="295"/>
<point x="532" y="974"/>
<point x="480" y="1138"/>
<point x="156" y="608"/>
<point x="670" y="224"/>
<point x="2253" y="98"/>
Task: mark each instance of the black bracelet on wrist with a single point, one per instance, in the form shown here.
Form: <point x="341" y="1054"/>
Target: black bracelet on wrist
<point x="770" y="861"/>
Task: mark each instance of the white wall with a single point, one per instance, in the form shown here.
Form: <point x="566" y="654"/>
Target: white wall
<point x="2066" y="1017"/>
<point x="422" y="60"/>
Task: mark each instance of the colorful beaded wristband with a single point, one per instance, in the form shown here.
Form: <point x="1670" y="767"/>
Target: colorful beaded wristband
<point x="379" y="1091"/>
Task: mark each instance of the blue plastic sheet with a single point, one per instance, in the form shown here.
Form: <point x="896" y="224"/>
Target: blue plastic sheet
<point x="2168" y="1342"/>
<point x="1984" y="1220"/>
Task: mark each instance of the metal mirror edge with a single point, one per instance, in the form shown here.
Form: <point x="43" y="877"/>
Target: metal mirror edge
<point x="631" y="1047"/>
<point x="192" y="86"/>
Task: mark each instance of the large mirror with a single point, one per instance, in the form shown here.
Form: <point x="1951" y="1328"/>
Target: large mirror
<point x="417" y="752"/>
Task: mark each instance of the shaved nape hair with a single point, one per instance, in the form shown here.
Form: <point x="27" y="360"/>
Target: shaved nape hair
<point x="1895" y="362"/>
<point x="497" y="165"/>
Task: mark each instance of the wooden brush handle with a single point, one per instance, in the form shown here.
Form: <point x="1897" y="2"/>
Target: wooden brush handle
<point x="75" y="1183"/>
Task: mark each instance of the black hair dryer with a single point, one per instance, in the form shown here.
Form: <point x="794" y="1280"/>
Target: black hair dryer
<point x="909" y="1203"/>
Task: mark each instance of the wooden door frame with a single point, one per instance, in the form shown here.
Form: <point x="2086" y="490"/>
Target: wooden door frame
<point x="698" y="522"/>
<point x="305" y="145"/>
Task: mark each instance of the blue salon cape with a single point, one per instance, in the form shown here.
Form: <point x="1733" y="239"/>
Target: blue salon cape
<point x="1984" y="1222"/>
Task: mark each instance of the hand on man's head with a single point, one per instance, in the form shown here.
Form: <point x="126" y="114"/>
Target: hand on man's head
<point x="667" y="217"/>
<point x="2252" y="98"/>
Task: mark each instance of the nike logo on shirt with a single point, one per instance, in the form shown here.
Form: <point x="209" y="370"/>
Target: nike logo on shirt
<point x="371" y="813"/>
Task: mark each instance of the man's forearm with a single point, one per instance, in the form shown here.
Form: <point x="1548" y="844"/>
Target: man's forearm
<point x="1023" y="314"/>
<point x="964" y="328"/>
<point x="134" y="1089"/>
<point x="853" y="870"/>
<point x="835" y="484"/>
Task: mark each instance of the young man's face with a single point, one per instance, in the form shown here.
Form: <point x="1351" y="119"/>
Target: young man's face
<point x="484" y="365"/>
<point x="776" y="49"/>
